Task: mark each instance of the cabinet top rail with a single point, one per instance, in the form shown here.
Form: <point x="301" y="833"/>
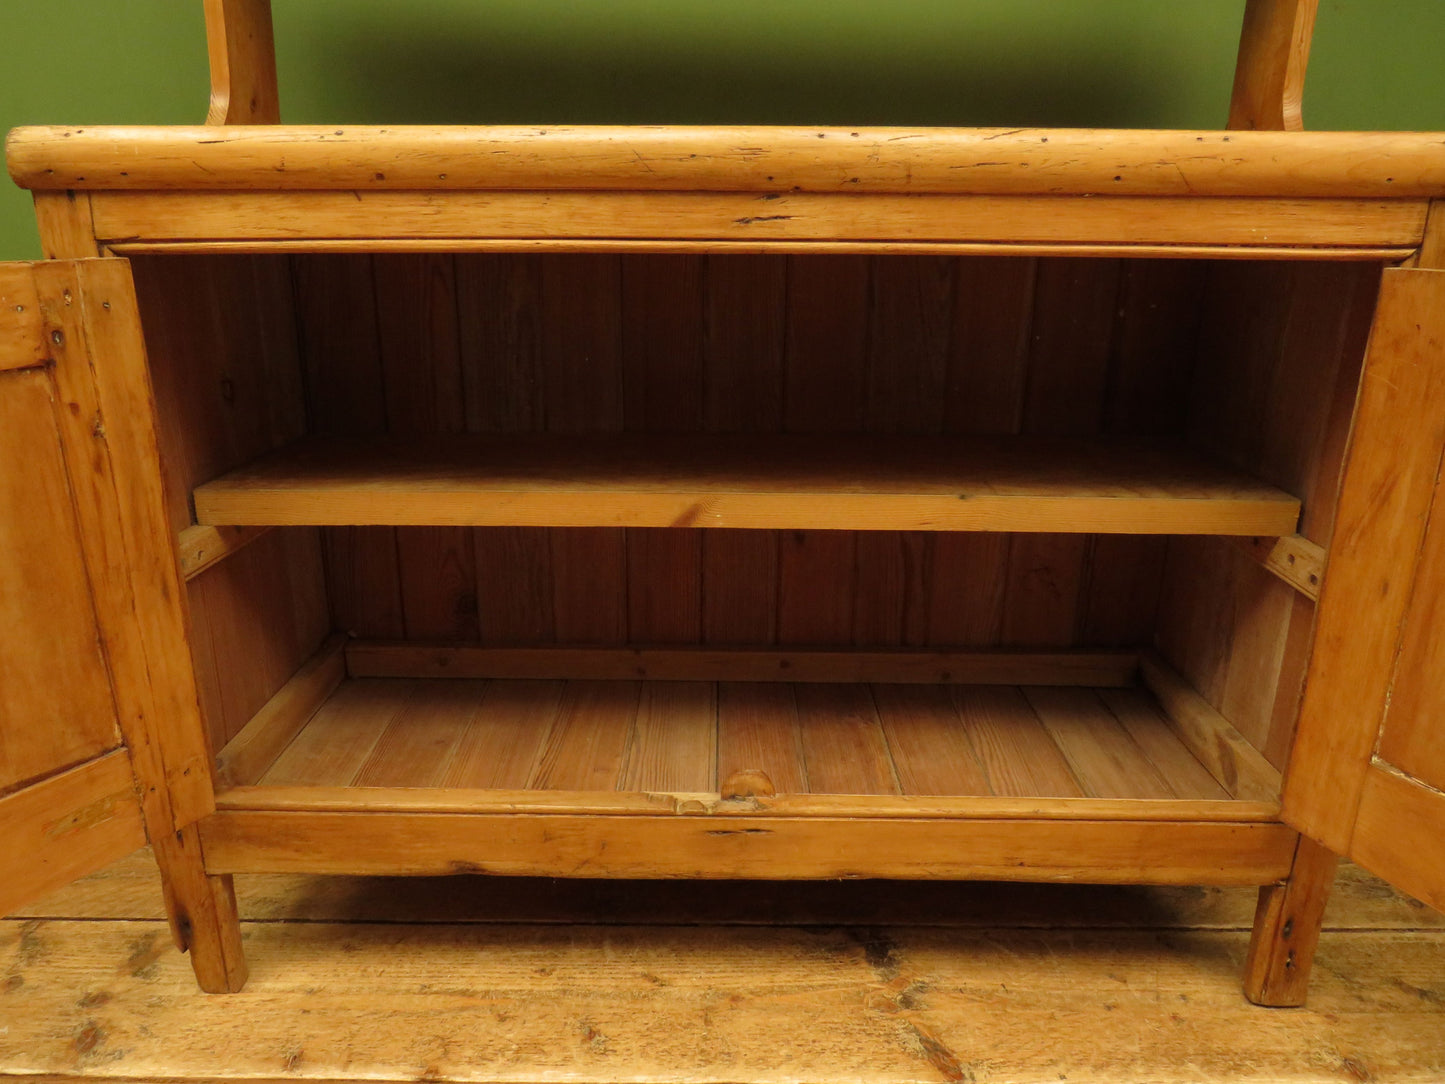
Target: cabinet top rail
<point x="1032" y="161"/>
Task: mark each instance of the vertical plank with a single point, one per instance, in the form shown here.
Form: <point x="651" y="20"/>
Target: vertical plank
<point x="363" y="581"/>
<point x="891" y="590"/>
<point x="843" y="744"/>
<point x="1290" y="690"/>
<point x="499" y="313"/>
<point x="339" y="342"/>
<point x="662" y="359"/>
<point x="673" y="746"/>
<point x="745" y="320"/>
<point x="1241" y="336"/>
<point x="664" y="585"/>
<point x="966" y="603"/>
<point x="662" y="343"/>
<point x="419" y="344"/>
<point x="589" y="584"/>
<point x="827" y="341"/>
<point x="1195" y="626"/>
<point x="1045" y="583"/>
<point x="514" y="585"/>
<point x="1153" y="359"/>
<point x="758" y="730"/>
<point x="910" y="322"/>
<point x="740" y="587"/>
<point x="927" y="741"/>
<point x="1070" y="347"/>
<point x="989" y="344"/>
<point x="582" y="393"/>
<point x="1011" y="744"/>
<point x="1121" y="597"/>
<point x="1263" y="606"/>
<point x="581" y="342"/>
<point x="815" y="587"/>
<point x="586" y="745"/>
<point x="499" y="318"/>
<point x="500" y="748"/>
<point x="438" y="583"/>
<point x="346" y="395"/>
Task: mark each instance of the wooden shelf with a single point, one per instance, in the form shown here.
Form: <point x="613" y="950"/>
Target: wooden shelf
<point x="758" y="481"/>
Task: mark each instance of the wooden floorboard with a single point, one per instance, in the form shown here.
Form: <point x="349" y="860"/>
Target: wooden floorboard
<point x="468" y="979"/>
<point x="690" y="736"/>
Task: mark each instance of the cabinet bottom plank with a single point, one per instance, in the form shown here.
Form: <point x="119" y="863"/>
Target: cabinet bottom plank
<point x="566" y="845"/>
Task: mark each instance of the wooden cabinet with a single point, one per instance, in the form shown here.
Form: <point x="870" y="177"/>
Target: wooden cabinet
<point x="777" y="503"/>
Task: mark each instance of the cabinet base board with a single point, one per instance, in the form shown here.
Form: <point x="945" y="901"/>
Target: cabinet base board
<point x="429" y="844"/>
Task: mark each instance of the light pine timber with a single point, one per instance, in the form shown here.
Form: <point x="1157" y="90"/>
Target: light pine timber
<point x="1057" y="161"/>
<point x="725" y="216"/>
<point x="305" y="797"/>
<point x="1293" y="558"/>
<point x="201" y="547"/>
<point x="113" y="461"/>
<point x="1008" y="484"/>
<point x="1397" y="833"/>
<point x="242" y="52"/>
<point x="1389" y="479"/>
<point x="1238" y="766"/>
<point x="1331" y="254"/>
<point x="1287" y="929"/>
<point x="386" y="659"/>
<point x="1411" y="738"/>
<point x="1105" y="852"/>
<point x="56" y="704"/>
<point x="881" y="988"/>
<point x="339" y="738"/>
<point x="22" y="331"/>
<point x="67" y="225"/>
<point x="67" y="825"/>
<point x="1269" y="73"/>
<point x="247" y="756"/>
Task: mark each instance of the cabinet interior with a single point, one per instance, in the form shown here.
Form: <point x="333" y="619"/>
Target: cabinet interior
<point x="1096" y="630"/>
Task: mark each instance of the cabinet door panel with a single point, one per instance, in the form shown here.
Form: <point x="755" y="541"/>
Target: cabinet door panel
<point x="1367" y="774"/>
<point x="89" y="590"/>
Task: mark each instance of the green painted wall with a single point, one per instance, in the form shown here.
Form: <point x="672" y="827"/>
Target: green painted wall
<point x="1127" y="63"/>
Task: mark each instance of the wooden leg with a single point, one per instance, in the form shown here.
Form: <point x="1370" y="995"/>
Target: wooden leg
<point x="1287" y="929"/>
<point x="202" y="910"/>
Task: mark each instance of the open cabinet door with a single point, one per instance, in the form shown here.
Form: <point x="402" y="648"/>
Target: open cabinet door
<point x="1367" y="773"/>
<point x="92" y="748"/>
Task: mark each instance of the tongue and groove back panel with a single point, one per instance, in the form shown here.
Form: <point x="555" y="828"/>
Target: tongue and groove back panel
<point x="269" y="347"/>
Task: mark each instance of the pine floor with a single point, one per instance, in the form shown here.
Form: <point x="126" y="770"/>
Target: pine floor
<point x="481" y="980"/>
<point x="837" y="738"/>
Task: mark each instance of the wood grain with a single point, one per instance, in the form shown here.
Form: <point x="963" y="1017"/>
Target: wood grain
<point x="1058" y="161"/>
<point x="1269" y="74"/>
<point x="1389" y="479"/>
<point x="404" y="659"/>
<point x="242" y="52"/>
<point x="67" y="825"/>
<point x="1039" y="484"/>
<point x="1287" y="929"/>
<point x="725" y="216"/>
<point x="1105" y="852"/>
